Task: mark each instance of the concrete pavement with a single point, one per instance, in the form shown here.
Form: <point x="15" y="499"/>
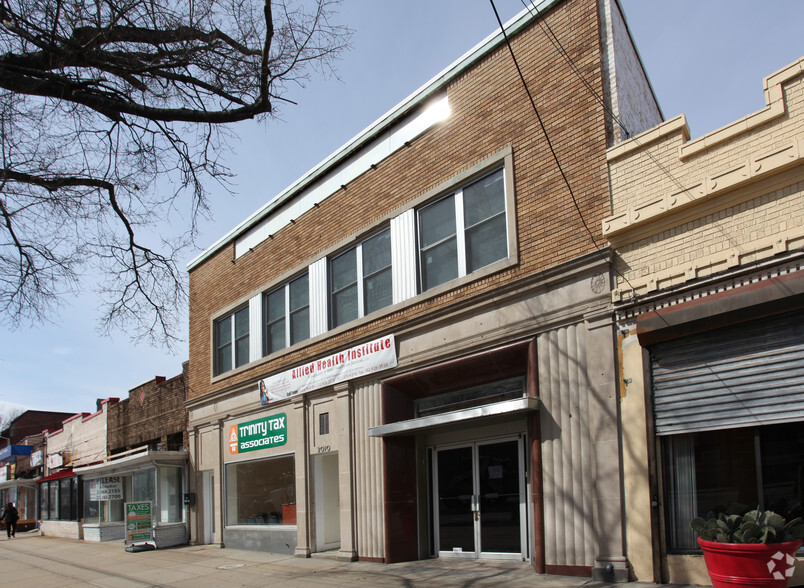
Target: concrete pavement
<point x="31" y="560"/>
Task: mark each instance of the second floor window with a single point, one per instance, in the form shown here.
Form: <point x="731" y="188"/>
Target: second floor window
<point x="287" y="315"/>
<point x="231" y="341"/>
<point x="463" y="232"/>
<point x="360" y="279"/>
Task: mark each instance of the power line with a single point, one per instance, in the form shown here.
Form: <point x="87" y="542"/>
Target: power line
<point x="547" y="136"/>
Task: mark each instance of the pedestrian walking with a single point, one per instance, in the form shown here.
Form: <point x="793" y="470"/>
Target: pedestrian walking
<point x="10" y="516"/>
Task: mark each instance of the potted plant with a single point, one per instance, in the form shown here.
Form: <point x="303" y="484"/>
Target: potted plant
<point x="754" y="549"/>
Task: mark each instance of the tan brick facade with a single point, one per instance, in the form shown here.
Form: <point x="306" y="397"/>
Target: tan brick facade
<point x="688" y="210"/>
<point x="707" y="236"/>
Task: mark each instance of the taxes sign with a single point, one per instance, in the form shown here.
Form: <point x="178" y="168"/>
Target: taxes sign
<point x="259" y="434"/>
<point x="139" y="522"/>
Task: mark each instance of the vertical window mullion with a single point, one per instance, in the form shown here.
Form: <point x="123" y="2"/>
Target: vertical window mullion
<point x="287" y="314"/>
<point x="460" y="234"/>
<point x="758" y="459"/>
<point x="233" y="331"/>
<point x="361" y="306"/>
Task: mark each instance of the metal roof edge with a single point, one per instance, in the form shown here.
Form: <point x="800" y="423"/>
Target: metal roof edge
<point x="418" y="97"/>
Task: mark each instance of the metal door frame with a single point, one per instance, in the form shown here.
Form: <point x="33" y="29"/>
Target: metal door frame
<point x="523" y="515"/>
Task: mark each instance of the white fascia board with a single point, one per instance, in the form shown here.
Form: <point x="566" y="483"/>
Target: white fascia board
<point x="359" y="142"/>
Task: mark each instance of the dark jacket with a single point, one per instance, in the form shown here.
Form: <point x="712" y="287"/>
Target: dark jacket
<point x="10" y="514"/>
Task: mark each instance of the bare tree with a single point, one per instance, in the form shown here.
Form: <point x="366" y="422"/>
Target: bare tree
<point x="112" y="119"/>
<point x="7" y="415"/>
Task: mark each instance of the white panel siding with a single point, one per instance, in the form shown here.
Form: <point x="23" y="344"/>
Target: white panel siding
<point x="566" y="447"/>
<point x="403" y="255"/>
<point x="318" y="297"/>
<point x="371" y="154"/>
<point x="368" y="472"/>
<point x="255" y="328"/>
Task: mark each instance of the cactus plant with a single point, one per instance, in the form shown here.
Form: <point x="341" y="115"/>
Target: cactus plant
<point x="755" y="526"/>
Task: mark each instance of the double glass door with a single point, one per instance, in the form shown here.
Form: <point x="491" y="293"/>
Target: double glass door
<point x="479" y="500"/>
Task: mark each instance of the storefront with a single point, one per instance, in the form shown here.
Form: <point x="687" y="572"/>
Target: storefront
<point x="23" y="494"/>
<point x="59" y="504"/>
<point x="438" y="441"/>
<point x="260" y="483"/>
<point x="20" y="491"/>
<point x="730" y="415"/>
<point x="144" y="475"/>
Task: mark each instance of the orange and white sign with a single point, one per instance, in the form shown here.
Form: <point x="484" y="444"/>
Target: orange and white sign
<point x="233" y="439"/>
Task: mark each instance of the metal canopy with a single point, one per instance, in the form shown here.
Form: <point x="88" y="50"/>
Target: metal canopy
<point x="487" y="411"/>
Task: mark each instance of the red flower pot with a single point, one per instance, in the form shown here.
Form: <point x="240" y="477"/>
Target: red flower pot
<point x="749" y="564"/>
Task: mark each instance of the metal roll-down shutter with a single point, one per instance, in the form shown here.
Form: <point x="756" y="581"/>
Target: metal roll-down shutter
<point x="736" y="376"/>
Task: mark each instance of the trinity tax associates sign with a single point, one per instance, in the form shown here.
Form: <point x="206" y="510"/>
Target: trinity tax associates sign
<point x="259" y="434"/>
<point x="362" y="360"/>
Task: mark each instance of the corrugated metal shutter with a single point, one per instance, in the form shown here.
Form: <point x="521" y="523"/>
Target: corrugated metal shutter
<point x="743" y="375"/>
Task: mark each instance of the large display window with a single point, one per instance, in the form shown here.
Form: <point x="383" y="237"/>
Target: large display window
<point x="160" y="485"/>
<point x="100" y="503"/>
<point x="261" y="492"/>
<point x="58" y="500"/>
<point x="733" y="471"/>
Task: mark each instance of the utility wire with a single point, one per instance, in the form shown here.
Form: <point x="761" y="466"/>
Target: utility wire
<point x="548" y="31"/>
<point x="547" y="136"/>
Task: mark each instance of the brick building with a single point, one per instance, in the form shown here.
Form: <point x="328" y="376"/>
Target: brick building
<point x="409" y="353"/>
<point x="152" y="416"/>
<point x="146" y="461"/>
<point x="80" y="441"/>
<point x="22" y="460"/>
<point x="709" y="241"/>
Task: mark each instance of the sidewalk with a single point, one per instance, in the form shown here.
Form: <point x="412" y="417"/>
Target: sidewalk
<point x="32" y="560"/>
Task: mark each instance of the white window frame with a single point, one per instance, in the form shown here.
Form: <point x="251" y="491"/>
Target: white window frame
<point x="460" y="229"/>
<point x="287" y="314"/>
<point x="360" y="277"/>
<point x="232" y="317"/>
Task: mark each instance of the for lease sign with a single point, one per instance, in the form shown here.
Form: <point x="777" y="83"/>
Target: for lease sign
<point x="108" y="488"/>
<point x="258" y="434"/>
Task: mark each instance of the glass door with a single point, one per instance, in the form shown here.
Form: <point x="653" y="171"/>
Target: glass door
<point x="479" y="507"/>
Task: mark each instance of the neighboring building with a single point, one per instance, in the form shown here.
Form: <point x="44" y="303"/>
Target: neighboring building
<point x="709" y="243"/>
<point x="22" y="460"/>
<point x="409" y="353"/>
<point x="147" y="458"/>
<point x="65" y="509"/>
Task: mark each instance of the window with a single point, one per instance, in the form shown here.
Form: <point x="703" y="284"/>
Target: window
<point x="734" y="471"/>
<point x="287" y="315"/>
<point x="261" y="492"/>
<point x="171" y="500"/>
<point x="463" y="232"/>
<point x="98" y="507"/>
<point x="231" y="341"/>
<point x="58" y="500"/>
<point x="360" y="279"/>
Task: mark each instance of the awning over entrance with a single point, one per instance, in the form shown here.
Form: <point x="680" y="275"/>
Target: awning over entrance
<point x="484" y="412"/>
<point x="133" y="462"/>
<point x="18" y="482"/>
<point x="56" y="476"/>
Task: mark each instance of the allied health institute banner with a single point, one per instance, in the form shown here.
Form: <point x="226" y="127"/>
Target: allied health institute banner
<point x="375" y="356"/>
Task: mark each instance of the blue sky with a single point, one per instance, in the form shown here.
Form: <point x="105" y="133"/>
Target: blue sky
<point x="705" y="58"/>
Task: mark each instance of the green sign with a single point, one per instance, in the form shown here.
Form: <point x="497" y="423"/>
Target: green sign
<point x="263" y="433"/>
<point x="139" y="521"/>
